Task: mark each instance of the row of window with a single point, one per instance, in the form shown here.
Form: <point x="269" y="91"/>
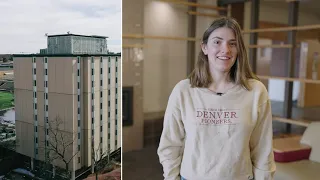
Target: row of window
<point x="46" y="107"/>
<point x="47" y="142"/>
<point x="45" y="60"/>
<point x="35" y="107"/>
<point x="35" y="71"/>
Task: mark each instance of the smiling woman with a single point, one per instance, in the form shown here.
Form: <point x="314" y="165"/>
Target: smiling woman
<point x="218" y="123"/>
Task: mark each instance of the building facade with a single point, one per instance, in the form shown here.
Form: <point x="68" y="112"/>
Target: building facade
<point x="72" y="98"/>
<point x="76" y="44"/>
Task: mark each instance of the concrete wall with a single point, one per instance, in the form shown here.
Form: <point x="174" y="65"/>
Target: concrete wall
<point x="132" y="68"/>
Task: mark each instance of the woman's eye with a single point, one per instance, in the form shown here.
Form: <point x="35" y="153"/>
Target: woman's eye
<point x="216" y="42"/>
<point x="233" y="44"/>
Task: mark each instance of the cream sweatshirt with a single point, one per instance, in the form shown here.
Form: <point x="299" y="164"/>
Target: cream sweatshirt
<point x="211" y="137"/>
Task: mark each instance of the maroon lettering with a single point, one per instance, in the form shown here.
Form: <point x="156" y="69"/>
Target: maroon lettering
<point x="199" y="113"/>
<point x="229" y="121"/>
<point x="233" y="115"/>
<point x="225" y="121"/>
<point x="219" y="114"/>
<point x="212" y="115"/>
<point x="205" y="114"/>
<point x="226" y="114"/>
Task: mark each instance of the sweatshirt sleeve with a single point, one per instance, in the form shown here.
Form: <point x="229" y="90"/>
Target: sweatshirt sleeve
<point x="172" y="139"/>
<point x="261" y="145"/>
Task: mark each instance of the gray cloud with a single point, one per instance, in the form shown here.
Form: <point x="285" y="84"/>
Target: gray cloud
<point x="25" y="23"/>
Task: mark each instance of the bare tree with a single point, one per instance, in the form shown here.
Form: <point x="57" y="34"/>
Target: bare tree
<point x="59" y="145"/>
<point x="97" y="157"/>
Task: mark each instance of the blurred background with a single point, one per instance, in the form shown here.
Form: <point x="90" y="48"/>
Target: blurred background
<point x="161" y="41"/>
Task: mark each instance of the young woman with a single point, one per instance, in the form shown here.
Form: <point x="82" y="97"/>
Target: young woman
<point x="218" y="122"/>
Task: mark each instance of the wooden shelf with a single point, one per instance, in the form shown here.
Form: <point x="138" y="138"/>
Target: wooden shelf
<point x="203" y="14"/>
<point x="204" y="6"/>
<point x="311" y="81"/>
<point x="298" y="122"/>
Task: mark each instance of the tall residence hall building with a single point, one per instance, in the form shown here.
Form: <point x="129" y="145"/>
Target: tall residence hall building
<point x="70" y="92"/>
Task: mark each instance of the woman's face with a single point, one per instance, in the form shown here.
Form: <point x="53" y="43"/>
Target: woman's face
<point x="221" y="49"/>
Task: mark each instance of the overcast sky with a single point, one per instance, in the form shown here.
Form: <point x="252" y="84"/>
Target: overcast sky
<point x="24" y="23"/>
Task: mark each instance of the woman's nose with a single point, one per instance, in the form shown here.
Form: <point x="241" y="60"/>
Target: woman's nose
<point x="225" y="48"/>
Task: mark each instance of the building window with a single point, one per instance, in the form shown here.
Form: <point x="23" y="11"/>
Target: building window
<point x="34" y="60"/>
<point x="78" y="85"/>
<point x="34" y="83"/>
<point x="36" y="129"/>
<point x="101" y="71"/>
<point x="36" y="151"/>
<point x="108" y="135"/>
<point x="92" y="132"/>
<point x="108" y="81"/>
<point x="116" y="80"/>
<point x="92" y="108"/>
<point x="35" y="117"/>
<point x="92" y="83"/>
<point x="92" y="96"/>
<point x="116" y="142"/>
<point x="47" y="119"/>
<point x="34" y="71"/>
<point x="79" y="160"/>
<point x="109" y="70"/>
<point x="100" y="116"/>
<point x="78" y="72"/>
<point x="92" y="72"/>
<point x="109" y="114"/>
<point x="78" y="147"/>
<point x="78" y="59"/>
<point x="116" y="69"/>
<point x="46" y="96"/>
<point x="78" y="123"/>
<point x="78" y="97"/>
<point x="116" y="101"/>
<point x="116" y="111"/>
<point x="100" y="128"/>
<point x="100" y="139"/>
<point x="47" y="107"/>
<point x="47" y="131"/>
<point x="46" y="60"/>
<point x="36" y="140"/>
<point x="116" y="132"/>
<point x="35" y="105"/>
<point x="46" y="83"/>
<point x="92" y="120"/>
<point x="116" y="90"/>
<point x="100" y="105"/>
<point x="101" y="82"/>
<point x="78" y="110"/>
<point x="78" y="135"/>
<point x="46" y="71"/>
<point x="47" y="143"/>
<point x="108" y="92"/>
<point x="35" y="94"/>
<point x="101" y="94"/>
<point x="108" y="103"/>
